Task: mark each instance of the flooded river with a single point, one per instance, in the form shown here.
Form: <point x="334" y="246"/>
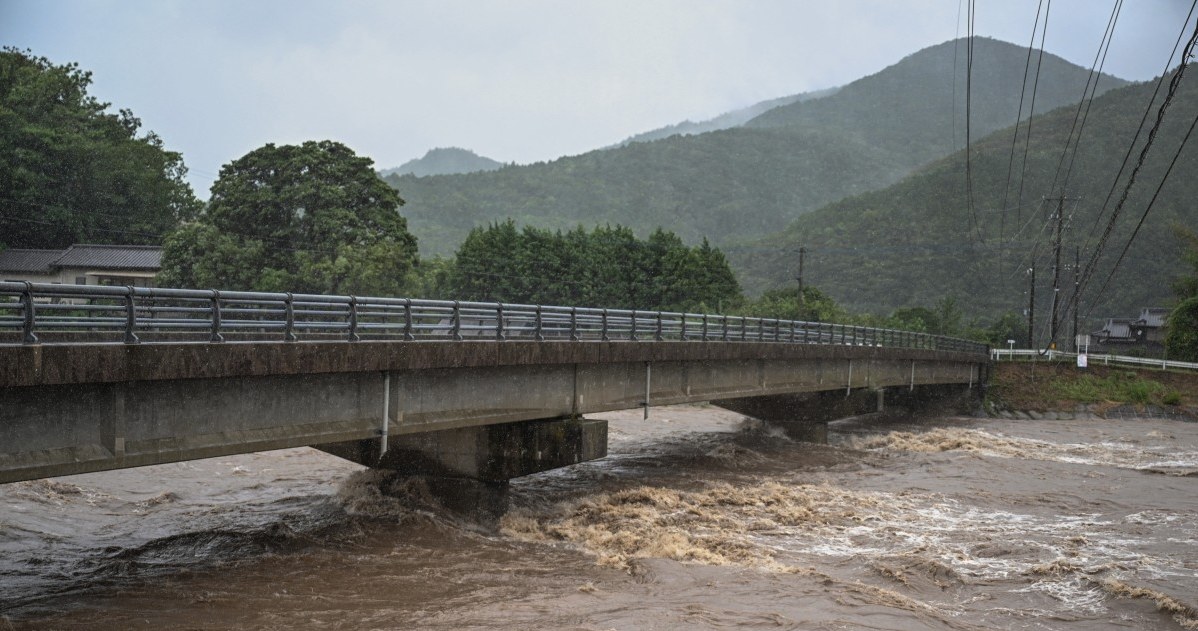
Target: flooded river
<point x="697" y="520"/>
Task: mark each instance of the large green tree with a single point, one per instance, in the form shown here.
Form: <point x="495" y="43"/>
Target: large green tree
<point x="310" y="218"/>
<point x="71" y="171"/>
<point x="1181" y="340"/>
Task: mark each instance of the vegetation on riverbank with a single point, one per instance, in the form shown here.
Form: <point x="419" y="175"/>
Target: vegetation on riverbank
<point x="1057" y="387"/>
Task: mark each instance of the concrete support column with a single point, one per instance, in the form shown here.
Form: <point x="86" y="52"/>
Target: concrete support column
<point x="494" y="453"/>
<point x="468" y="469"/>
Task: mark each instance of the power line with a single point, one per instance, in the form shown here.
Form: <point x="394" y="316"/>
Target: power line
<point x="972" y="15"/>
<point x="1031" y="111"/>
<point x="1083" y="104"/>
<point x="1131" y="146"/>
<point x="1019" y="117"/>
<point x="1151" y="202"/>
<point x="1174" y="83"/>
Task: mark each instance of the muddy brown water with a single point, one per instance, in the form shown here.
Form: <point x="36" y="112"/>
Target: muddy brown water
<point x="698" y="519"/>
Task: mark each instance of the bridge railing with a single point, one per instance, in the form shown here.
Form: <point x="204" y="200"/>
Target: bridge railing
<point x="32" y="313"/>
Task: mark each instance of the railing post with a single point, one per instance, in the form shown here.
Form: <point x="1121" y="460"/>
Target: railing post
<point x="704" y="327"/>
<point x="777" y="330"/>
<point x="657" y="334"/>
<point x="407" y="320"/>
<point x="539" y="336"/>
<point x="724" y="322"/>
<point x="499" y="322"/>
<point x="456" y="331"/>
<point x="632" y="330"/>
<point x="353" y="319"/>
<point x="682" y="332"/>
<point x="792" y="331"/>
<point x="603" y="327"/>
<point x="574" y="324"/>
<point x="27" y="314"/>
<point x="289" y="327"/>
<point x="743" y="334"/>
<point x="216" y="336"/>
<point x="130" y="316"/>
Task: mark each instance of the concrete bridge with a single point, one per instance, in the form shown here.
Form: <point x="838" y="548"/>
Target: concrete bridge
<point x="104" y="378"/>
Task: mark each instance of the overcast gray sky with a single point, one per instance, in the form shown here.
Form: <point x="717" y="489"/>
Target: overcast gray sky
<point x="517" y="80"/>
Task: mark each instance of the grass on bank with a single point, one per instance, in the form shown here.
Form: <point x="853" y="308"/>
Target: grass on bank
<point x="1058" y="386"/>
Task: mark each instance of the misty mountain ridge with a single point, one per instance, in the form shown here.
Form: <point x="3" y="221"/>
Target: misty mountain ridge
<point x="748" y="181"/>
<point x="444" y="161"/>
<point x="735" y="118"/>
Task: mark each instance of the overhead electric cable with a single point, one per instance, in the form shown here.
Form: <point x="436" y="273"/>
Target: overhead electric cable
<point x="1131" y="146"/>
<point x="968" y="107"/>
<point x="1019" y="117"/>
<point x="1031" y="110"/>
<point x="1174" y="83"/>
<point x="1187" y="55"/>
<point x="1088" y="92"/>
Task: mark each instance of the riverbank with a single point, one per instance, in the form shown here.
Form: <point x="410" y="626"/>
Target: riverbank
<point x="1048" y="390"/>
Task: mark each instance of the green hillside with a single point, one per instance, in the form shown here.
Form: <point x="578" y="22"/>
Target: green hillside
<point x="915" y="242"/>
<point x="909" y="109"/>
<point x="444" y="161"/>
<point x="745" y="182"/>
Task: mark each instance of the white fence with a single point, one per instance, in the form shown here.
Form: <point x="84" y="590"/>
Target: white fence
<point x="1022" y="354"/>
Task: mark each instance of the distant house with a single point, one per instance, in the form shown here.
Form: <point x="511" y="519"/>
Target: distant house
<point x="1115" y="331"/>
<point x="1150" y="328"/>
<point x="1144" y="335"/>
<point x="84" y="264"/>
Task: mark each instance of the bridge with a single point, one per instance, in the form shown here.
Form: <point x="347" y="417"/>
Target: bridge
<point x="97" y="378"/>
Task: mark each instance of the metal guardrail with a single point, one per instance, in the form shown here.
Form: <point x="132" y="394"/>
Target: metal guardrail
<point x="1009" y="354"/>
<point x="30" y="312"/>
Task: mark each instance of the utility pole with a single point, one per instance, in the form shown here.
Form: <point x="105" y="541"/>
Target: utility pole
<point x="802" y="253"/>
<point x="1077" y="298"/>
<point x="1054" y="324"/>
<point x="1031" y="309"/>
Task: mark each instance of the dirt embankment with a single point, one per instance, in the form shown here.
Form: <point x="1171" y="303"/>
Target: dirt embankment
<point x="1098" y="390"/>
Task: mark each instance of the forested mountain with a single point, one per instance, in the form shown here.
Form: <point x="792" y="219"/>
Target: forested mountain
<point x="747" y="181"/>
<point x="444" y="161"/>
<point x="909" y="108"/>
<point x="735" y="118"/>
<point x="916" y="242"/>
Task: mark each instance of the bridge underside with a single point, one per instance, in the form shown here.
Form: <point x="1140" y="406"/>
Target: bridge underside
<point x="476" y="409"/>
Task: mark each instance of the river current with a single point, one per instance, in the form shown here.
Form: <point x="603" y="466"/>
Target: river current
<point x="698" y="519"/>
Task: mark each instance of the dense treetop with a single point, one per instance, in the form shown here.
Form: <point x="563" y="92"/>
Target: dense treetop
<point x="605" y="267"/>
<point x="311" y="217"/>
<point x="72" y="172"/>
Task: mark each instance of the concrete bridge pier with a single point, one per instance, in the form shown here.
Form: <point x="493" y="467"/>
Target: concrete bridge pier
<point x="932" y="400"/>
<point x="468" y="468"/>
<point x="805" y="416"/>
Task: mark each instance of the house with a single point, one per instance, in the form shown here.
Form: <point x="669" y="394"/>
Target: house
<point x="1115" y="331"/>
<point x="1150" y="328"/>
<point x="1135" y="336"/>
<point x="84" y="264"/>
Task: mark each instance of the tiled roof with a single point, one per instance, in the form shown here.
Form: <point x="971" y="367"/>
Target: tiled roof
<point x="113" y="257"/>
<point x="1153" y="317"/>
<point x="103" y="257"/>
<point x="30" y="261"/>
